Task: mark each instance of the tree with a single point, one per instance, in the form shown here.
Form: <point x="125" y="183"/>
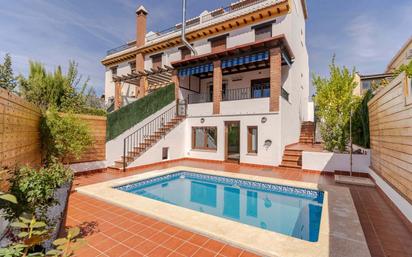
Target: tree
<point x="63" y="92"/>
<point x="7" y="79"/>
<point x="334" y="101"/>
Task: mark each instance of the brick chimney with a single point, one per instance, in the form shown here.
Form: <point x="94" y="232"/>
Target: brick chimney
<point x="141" y="17"/>
<point x="141" y="29"/>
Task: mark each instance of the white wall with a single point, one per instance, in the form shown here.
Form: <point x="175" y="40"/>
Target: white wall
<point x="403" y="205"/>
<point x="326" y="161"/>
<point x="245" y="107"/>
<point x="87" y="166"/>
<point x="200" y="109"/>
<point x="174" y="140"/>
<point x="267" y="131"/>
<point x="311" y="111"/>
<point x="179" y="141"/>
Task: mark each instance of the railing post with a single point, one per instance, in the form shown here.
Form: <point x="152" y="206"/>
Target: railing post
<point x="124" y="154"/>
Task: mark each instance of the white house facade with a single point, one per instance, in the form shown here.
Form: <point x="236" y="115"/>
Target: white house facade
<point x="246" y="90"/>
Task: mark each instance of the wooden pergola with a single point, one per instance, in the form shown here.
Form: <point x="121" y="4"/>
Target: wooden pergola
<point x="156" y="77"/>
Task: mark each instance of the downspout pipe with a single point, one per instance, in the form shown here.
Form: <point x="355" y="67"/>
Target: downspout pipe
<point x="183" y="36"/>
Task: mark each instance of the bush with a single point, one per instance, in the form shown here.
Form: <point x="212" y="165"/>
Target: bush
<point x="34" y="189"/>
<point x="63" y="136"/>
<point x="360" y="122"/>
<point x="123" y="119"/>
<point x="31" y="235"/>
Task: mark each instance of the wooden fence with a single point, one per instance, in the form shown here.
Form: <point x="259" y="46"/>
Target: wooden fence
<point x="97" y="127"/>
<point x="390" y="117"/>
<point x="20" y="133"/>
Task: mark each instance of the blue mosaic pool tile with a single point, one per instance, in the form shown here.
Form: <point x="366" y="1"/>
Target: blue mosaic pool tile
<point x="249" y="184"/>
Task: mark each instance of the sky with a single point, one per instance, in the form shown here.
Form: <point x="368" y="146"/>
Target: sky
<point x="364" y="34"/>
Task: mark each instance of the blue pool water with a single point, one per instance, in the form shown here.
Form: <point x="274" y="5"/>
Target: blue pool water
<point x="288" y="210"/>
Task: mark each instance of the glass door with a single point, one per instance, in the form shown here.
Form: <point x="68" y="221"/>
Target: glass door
<point x="260" y="88"/>
<point x="232" y="129"/>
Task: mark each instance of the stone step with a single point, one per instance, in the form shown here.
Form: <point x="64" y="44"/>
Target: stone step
<point x="113" y="168"/>
<point x="118" y="164"/>
<point x="294" y="158"/>
<point x="127" y="158"/>
<point x="290" y="166"/>
<point x="290" y="152"/>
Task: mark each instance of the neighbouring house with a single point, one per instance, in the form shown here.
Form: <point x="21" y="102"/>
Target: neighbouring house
<point x="370" y="81"/>
<point x="373" y="81"/>
<point x="403" y="56"/>
<point x="246" y="90"/>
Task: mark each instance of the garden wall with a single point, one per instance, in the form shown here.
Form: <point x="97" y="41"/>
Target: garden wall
<point x="327" y="161"/>
<point x="390" y="117"/>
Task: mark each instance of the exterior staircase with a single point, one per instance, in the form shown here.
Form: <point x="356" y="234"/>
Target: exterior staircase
<point x="292" y="156"/>
<point x="148" y="135"/>
<point x="307" y="132"/>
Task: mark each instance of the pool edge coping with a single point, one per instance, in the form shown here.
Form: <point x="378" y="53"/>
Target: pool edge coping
<point x="253" y="239"/>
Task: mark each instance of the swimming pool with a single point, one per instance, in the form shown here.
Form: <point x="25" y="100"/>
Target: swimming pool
<point x="287" y="210"/>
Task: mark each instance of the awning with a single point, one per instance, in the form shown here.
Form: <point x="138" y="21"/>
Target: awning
<point x="257" y="57"/>
<point x="204" y="68"/>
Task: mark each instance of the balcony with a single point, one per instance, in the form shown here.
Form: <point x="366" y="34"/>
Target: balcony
<point x="235" y="101"/>
<point x="121" y="48"/>
<point x="235" y="95"/>
<point x="220" y="13"/>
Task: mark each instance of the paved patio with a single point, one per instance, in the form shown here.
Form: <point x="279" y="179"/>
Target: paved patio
<point x="113" y="231"/>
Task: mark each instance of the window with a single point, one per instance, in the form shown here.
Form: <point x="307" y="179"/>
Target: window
<point x="186" y="53"/>
<point x="252" y="139"/>
<point x="218" y="43"/>
<point x="156" y="61"/>
<point x="260" y="88"/>
<point x="132" y="67"/>
<point x="114" y="70"/>
<point x="204" y="138"/>
<point x="210" y="90"/>
<point x="366" y="85"/>
<point x="263" y="31"/>
<point x="165" y="153"/>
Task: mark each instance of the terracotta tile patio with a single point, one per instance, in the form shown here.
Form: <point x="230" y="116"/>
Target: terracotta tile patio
<point x="114" y="231"/>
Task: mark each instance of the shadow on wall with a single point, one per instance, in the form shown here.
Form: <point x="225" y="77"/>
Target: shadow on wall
<point x="328" y="161"/>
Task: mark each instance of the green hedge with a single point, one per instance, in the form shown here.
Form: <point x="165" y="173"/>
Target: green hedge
<point x="360" y="122"/>
<point x="123" y="119"/>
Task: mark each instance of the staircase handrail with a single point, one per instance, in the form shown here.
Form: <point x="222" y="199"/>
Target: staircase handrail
<point x="138" y="137"/>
